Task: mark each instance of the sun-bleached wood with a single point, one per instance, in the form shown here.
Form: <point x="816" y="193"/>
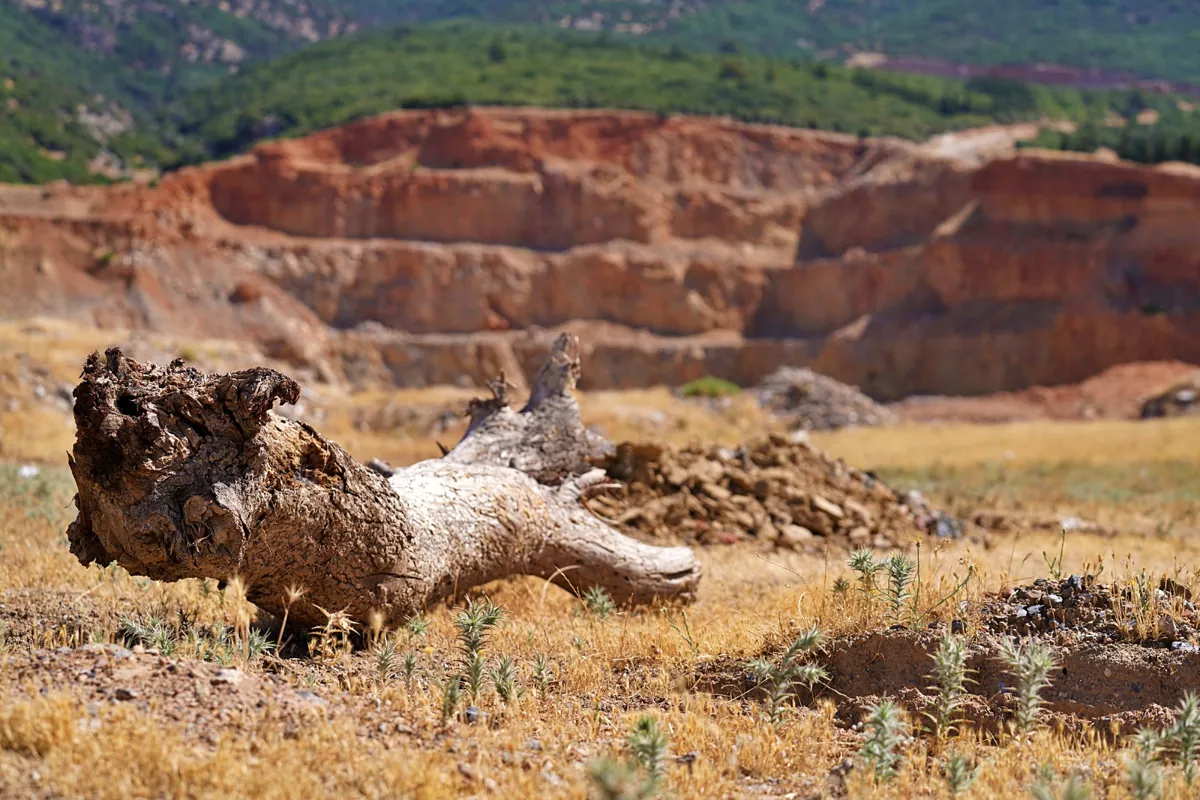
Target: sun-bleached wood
<point x="184" y="475"/>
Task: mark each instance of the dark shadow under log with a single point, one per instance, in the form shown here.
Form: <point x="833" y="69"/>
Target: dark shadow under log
<point x="182" y="475"/>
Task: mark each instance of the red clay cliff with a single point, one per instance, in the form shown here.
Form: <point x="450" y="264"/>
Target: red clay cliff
<point x="423" y="246"/>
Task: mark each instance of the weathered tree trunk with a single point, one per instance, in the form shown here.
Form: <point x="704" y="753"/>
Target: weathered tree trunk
<point x="182" y="475"/>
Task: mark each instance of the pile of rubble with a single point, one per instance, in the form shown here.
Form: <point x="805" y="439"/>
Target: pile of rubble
<point x="807" y="400"/>
<point x="775" y="490"/>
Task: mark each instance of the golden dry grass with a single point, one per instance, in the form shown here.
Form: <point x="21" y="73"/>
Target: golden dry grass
<point x="1139" y="478"/>
<point x="607" y="672"/>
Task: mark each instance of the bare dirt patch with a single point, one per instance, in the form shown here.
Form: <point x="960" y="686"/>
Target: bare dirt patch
<point x="206" y="700"/>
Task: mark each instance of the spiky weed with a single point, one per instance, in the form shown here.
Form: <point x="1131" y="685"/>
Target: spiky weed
<point x="779" y="678"/>
<point x="504" y="679"/>
<point x="599" y="603"/>
<point x="887" y="730"/>
<point x="950" y="675"/>
<point x="1030" y="665"/>
<point x="959" y="773"/>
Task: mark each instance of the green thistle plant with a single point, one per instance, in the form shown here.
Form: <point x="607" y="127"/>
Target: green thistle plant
<point x="1030" y="665"/>
<point x="887" y="730"/>
<point x="780" y="678"/>
<point x="950" y="675"/>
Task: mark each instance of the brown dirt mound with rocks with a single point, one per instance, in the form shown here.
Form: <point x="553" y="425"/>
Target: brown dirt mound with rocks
<point x="773" y="490"/>
<point x="1119" y="392"/>
<point x="808" y="400"/>
<point x="1125" y="653"/>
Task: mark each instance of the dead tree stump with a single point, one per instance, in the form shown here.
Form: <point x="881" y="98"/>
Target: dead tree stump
<point x="183" y="475"/>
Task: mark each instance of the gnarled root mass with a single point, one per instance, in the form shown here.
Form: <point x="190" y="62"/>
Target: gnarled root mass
<point x="183" y="475"/>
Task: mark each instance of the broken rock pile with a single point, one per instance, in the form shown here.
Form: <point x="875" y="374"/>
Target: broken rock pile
<point x="775" y="490"/>
<point x="808" y="400"/>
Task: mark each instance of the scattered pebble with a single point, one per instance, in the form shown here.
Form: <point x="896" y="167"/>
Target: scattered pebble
<point x="227" y="677"/>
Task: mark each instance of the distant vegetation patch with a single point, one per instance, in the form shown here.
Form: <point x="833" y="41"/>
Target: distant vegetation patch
<point x="709" y="386"/>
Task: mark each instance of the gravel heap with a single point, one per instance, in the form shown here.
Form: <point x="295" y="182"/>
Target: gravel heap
<point x="807" y="400"/>
<point x="773" y="490"/>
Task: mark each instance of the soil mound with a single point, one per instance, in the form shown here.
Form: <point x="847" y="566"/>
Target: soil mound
<point x="773" y="490"/>
<point x="810" y="401"/>
<point x="1118" y="392"/>
<point x="1181" y="399"/>
<point x="1125" y="655"/>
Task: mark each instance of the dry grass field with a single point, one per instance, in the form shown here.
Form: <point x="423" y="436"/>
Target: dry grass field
<point x="115" y="686"/>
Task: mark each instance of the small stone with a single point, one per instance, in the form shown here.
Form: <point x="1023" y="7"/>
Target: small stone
<point x="1054" y="599"/>
<point x="471" y="714"/>
<point x="1035" y="610"/>
<point x="858" y="510"/>
<point x="534" y="745"/>
<point x="830" y="508"/>
<point x="1021" y="613"/>
<point x="859" y="536"/>
<point x="468" y="771"/>
<point x="958" y="626"/>
<point x="792" y="536"/>
<point x="946" y="527"/>
<point x="123" y="693"/>
<point x="227" y="677"/>
<point x="1185" y="647"/>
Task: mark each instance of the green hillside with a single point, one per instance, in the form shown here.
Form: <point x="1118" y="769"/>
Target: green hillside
<point x="64" y="107"/>
<point x="43" y="86"/>
<point x="81" y="79"/>
<point x="1158" y="39"/>
<point x="457" y="63"/>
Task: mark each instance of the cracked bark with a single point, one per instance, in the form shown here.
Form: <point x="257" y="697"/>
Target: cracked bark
<point x="183" y="475"/>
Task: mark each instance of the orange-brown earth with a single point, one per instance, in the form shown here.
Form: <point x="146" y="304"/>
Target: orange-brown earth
<point x="423" y="247"/>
